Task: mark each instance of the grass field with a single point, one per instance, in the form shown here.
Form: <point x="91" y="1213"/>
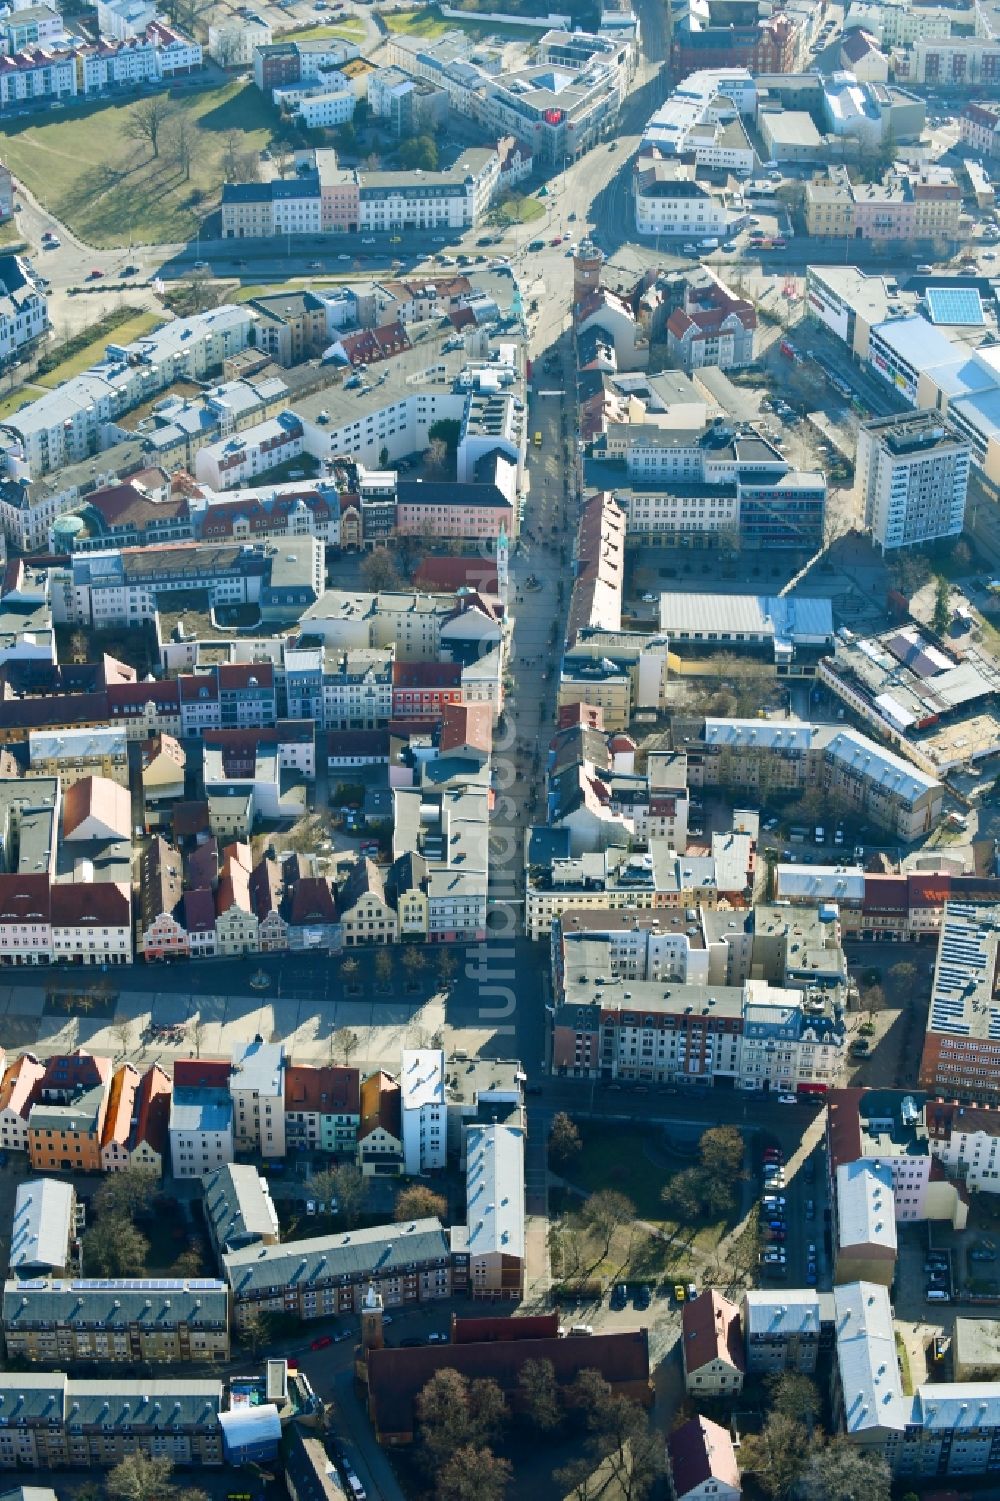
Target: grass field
<point x="84" y="358"/>
<point x="429" y="22"/>
<point x="525" y="210"/>
<point x="87" y="172"/>
<point x="350" y="30"/>
<point x="616" y="1157"/>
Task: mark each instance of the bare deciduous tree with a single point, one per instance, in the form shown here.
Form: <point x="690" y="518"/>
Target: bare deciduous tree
<point x="181" y="144"/>
<point x="146" y="120"/>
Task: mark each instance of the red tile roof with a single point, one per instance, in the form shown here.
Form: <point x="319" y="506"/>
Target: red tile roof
<point x="121" y="1105"/>
<point x="711" y="1331"/>
<point x="153" y="1113"/>
<point x="700" y="1451"/>
<point x="426" y="674"/>
<point x="381" y="1105"/>
<point x="20" y="1084"/>
<point x="322" y="1091"/>
<point x="526" y="1326"/>
<point x="396" y="1376"/>
<point x="843" y="1126"/>
<point x="199" y="911"/>
<point x="885" y="894"/>
<point x="448" y="573"/>
<point x="202" y="1073"/>
<point x="99" y="798"/>
<point x="90" y="904"/>
<point x="24" y="898"/>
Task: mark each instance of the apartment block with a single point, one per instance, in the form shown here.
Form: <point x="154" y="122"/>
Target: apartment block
<point x="913" y="476"/>
<point x="257" y="1086"/>
<point x="327" y="1275"/>
<point x="200" y="1126"/>
<point x="782" y="1330"/>
<point x="59" y="1322"/>
<point x="961" y="1058"/>
<point x="322" y="1109"/>
<point x="57" y="1422"/>
<point x="424" y="1114"/>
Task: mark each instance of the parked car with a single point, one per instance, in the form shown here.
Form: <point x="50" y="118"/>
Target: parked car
<point x="643" y="1297"/>
<point x="321" y="1341"/>
<point x="787" y="1099"/>
<point x="619" y="1295"/>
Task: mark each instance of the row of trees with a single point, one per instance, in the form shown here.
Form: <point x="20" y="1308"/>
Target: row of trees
<point x="459" y="1421"/>
<point x="412" y="958"/>
<point x="157" y="122"/>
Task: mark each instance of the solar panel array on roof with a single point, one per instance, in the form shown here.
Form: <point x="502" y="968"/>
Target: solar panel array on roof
<point x="955" y="305"/>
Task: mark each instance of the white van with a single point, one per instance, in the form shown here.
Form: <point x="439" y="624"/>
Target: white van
<point x="581" y="1328"/>
<point x="937" y="1295"/>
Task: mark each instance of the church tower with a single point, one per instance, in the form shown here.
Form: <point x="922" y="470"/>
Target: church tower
<point x="372" y="1335"/>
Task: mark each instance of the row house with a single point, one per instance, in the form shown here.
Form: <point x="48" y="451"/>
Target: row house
<point x="81" y="922"/>
<point x="366" y="915"/>
<point x="235" y="923"/>
<point x="200" y="1126"/>
<point x="56" y="1422"/>
<point x="380" y="1130"/>
<point x="118" y="1120"/>
<point x="904" y="908"/>
<point x="162" y="764"/>
<point x="421" y="690"/>
<point x="18" y="1091"/>
<point x="59" y="1322"/>
<point x="406" y="1264"/>
<point x="257" y="1086"/>
<point x="322" y="1109"/>
<point x="67" y="1115"/>
<point x="753" y="1036"/>
<point x="135" y="1126"/>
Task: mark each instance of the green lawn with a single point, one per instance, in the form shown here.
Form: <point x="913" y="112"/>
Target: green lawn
<point x="526" y="209"/>
<point x="87" y="172"/>
<point x="13" y="403"/>
<point x="429" y="22"/>
<point x="84" y="358"/>
<point x="615" y="1157"/>
<point x="349" y="30"/>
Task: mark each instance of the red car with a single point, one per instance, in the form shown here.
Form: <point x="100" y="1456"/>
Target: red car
<point x="556" y="241"/>
<point x="95" y="275"/>
<point x="321" y="1342"/>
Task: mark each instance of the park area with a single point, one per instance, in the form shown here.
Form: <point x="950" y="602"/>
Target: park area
<point x="429" y="22"/>
<point x="632" y="1207"/>
<point x="93" y="168"/>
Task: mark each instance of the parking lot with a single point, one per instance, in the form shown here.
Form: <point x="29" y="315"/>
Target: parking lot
<point x="794" y="1215"/>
